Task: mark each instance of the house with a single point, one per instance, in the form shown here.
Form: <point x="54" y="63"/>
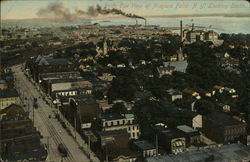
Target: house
<point x="203" y="93"/>
<point x="173" y="95"/>
<point x="146" y="149"/>
<point x="104" y="105"/>
<point x="8" y="97"/>
<point x="197" y="122"/>
<point x="141" y="95"/>
<point x="172" y="140"/>
<point x="192" y="136"/>
<point x="106" y="77"/>
<point x="20" y="141"/>
<point x="218" y="88"/>
<point x="109" y="122"/>
<point x="229" y="90"/>
<point x="3" y="84"/>
<point x="179" y="66"/>
<point x="224" y="107"/>
<point x="190" y="93"/>
<point x="121" y="66"/>
<point x="222" y="128"/>
<point x="165" y="70"/>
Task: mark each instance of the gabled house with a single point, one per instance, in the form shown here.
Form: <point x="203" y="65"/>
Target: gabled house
<point x="173" y="95"/>
<point x="190" y="93"/>
<point x="8" y="97"/>
<point x="224" y="107"/>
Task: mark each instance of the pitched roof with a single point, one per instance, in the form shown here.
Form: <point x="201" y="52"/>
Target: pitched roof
<point x="144" y="145"/>
<point x="222" y="119"/>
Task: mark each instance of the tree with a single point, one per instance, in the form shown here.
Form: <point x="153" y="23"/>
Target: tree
<point x="119" y="108"/>
<point x="204" y="106"/>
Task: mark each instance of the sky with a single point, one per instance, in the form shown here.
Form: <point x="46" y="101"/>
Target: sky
<point x="28" y="9"/>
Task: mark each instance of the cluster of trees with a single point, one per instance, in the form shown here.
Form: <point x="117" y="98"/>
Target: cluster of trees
<point x="123" y="87"/>
<point x="235" y="39"/>
<point x="151" y="112"/>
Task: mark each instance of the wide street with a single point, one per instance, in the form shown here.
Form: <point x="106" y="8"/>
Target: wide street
<point x="52" y="131"/>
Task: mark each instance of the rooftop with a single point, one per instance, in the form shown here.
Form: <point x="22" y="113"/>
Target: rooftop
<point x="173" y="92"/>
<point x="222" y="119"/>
<point x="186" y="129"/>
<point x="45" y="60"/>
<point x="78" y="79"/>
<point x="171" y="133"/>
<point x="2" y="81"/>
<point x="111" y="116"/>
<point x="178" y="65"/>
<point x="144" y="145"/>
<point x="114" y="116"/>
<point x="233" y="152"/>
<point x="8" y="93"/>
<point x="113" y="133"/>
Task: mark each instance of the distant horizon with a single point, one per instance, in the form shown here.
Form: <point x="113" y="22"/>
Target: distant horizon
<point x="153" y="16"/>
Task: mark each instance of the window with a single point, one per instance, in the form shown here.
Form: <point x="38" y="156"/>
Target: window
<point x="106" y="124"/>
<point x="111" y="123"/>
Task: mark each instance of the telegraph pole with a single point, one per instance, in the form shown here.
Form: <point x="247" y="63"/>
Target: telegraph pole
<point x="156" y="144"/>
<point x="33" y="114"/>
<point x="89" y="145"/>
<point x="106" y="152"/>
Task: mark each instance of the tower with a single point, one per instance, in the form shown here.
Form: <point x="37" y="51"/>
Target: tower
<point x="105" y="46"/>
<point x="181" y="32"/>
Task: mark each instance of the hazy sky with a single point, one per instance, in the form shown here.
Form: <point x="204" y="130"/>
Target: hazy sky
<point x="27" y="9"/>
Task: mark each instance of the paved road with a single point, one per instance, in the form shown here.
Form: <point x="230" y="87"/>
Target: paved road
<point x="50" y="128"/>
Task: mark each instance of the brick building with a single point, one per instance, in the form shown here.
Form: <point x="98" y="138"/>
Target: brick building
<point x="222" y="128"/>
<point x="20" y="140"/>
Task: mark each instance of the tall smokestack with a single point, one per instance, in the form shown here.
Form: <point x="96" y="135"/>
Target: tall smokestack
<point x="145" y="22"/>
<point x="193" y="27"/>
<point x="181" y="32"/>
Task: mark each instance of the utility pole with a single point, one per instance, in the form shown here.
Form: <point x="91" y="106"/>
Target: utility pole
<point x="156" y="144"/>
<point x="48" y="145"/>
<point x="89" y="145"/>
<point x="33" y="114"/>
<point x="106" y="152"/>
<point x="75" y="127"/>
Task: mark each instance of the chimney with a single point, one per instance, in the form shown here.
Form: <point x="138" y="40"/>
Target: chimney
<point x="145" y="22"/>
<point x="193" y="27"/>
<point x="181" y="32"/>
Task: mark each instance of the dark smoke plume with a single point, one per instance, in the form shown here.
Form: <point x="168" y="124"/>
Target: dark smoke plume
<point x="58" y="10"/>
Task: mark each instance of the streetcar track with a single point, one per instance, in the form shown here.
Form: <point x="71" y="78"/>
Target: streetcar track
<point x="50" y="128"/>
